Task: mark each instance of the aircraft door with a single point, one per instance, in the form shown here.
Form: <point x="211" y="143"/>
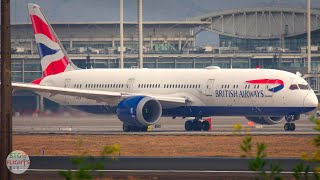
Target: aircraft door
<point x="67" y="83"/>
<point x="209" y="87"/>
<point x="129" y="85"/>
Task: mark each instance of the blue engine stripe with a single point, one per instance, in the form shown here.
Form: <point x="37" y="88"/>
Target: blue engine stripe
<point x="45" y="51"/>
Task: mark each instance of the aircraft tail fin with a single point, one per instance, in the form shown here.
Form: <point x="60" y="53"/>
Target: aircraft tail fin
<point x="54" y="58"/>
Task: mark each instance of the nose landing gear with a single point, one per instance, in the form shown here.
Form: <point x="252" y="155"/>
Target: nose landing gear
<point x="290" y="126"/>
<point x="197" y="125"/>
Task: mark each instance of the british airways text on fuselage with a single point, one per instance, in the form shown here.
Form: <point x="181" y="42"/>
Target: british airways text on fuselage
<point x="240" y="93"/>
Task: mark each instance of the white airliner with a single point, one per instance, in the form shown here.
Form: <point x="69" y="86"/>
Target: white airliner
<point x="139" y="97"/>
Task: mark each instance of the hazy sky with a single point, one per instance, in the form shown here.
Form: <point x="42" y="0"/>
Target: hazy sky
<point x="153" y="10"/>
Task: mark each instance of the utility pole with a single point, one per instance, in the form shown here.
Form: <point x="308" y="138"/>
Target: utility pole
<point x="140" y="34"/>
<point x="6" y="90"/>
<point x="309" y="37"/>
<point x="121" y="34"/>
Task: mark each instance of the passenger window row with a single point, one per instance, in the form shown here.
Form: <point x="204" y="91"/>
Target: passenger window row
<point x="101" y="85"/>
<point x="185" y="86"/>
<point x="237" y="86"/>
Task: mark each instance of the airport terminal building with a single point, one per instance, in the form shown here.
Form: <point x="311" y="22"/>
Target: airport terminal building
<point x="248" y="38"/>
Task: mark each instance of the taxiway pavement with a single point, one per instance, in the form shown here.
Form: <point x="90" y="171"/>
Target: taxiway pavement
<point x="111" y="125"/>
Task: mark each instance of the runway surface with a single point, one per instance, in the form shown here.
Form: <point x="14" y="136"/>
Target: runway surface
<point x="111" y="125"/>
<point x="152" y="167"/>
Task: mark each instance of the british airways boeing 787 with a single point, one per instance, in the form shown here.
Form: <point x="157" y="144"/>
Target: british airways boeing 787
<point x="139" y="97"/>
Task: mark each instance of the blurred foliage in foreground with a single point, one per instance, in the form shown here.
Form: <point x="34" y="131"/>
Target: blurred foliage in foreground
<point x="85" y="164"/>
<point x="258" y="163"/>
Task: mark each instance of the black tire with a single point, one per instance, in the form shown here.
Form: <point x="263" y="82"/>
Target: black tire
<point x="286" y="127"/>
<point x="126" y="127"/>
<point x="205" y="126"/>
<point x="292" y="127"/>
<point x="188" y="125"/>
<point x="197" y="125"/>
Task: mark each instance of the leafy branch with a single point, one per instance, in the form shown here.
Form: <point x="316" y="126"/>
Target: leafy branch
<point x="86" y="164"/>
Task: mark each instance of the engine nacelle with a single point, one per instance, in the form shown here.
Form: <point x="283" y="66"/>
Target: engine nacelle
<point x="139" y="111"/>
<point x="266" y="120"/>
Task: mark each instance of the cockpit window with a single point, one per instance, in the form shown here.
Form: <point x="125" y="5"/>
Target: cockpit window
<point x="293" y="87"/>
<point x="303" y="86"/>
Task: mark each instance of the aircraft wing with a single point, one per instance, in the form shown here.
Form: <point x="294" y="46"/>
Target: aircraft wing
<point x="98" y="95"/>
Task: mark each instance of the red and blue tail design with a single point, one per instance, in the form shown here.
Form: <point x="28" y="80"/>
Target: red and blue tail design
<point x="54" y="58"/>
<point x="269" y="81"/>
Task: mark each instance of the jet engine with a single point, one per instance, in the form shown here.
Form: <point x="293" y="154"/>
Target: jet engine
<point x="266" y="120"/>
<point x="139" y="111"/>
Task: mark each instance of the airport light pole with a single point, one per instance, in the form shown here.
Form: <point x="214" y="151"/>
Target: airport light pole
<point x="140" y="34"/>
<point x="121" y="34"/>
<point x="6" y="90"/>
<point x="309" y="36"/>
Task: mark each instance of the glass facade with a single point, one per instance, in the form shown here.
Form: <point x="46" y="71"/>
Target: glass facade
<point x="293" y="43"/>
<point x="27" y="70"/>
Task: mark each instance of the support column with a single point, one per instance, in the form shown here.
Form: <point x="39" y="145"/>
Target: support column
<point x="140" y="34"/>
<point x="180" y="47"/>
<point x="151" y="44"/>
<point x="231" y="63"/>
<point x="71" y="44"/>
<point x="193" y="43"/>
<point x="121" y="35"/>
<point x="309" y="37"/>
<point x="22" y="69"/>
<point x="6" y="91"/>
<point x="31" y="47"/>
<point x="113" y="43"/>
<point x="40" y="105"/>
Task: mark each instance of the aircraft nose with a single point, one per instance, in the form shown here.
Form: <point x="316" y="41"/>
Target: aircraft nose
<point x="311" y="100"/>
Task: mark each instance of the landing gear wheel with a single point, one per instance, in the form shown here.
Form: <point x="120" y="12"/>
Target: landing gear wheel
<point x="188" y="125"/>
<point x="292" y="127"/>
<point x="289" y="127"/>
<point x="197" y="125"/>
<point x="126" y="127"/>
<point x="286" y="127"/>
<point x="205" y="126"/>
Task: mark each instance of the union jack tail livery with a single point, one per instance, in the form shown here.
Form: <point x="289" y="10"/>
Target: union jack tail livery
<point x="54" y="58"/>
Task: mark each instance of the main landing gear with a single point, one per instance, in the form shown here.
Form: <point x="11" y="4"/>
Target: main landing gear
<point x="197" y="125"/>
<point x="289" y="125"/>
<point x="130" y="128"/>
